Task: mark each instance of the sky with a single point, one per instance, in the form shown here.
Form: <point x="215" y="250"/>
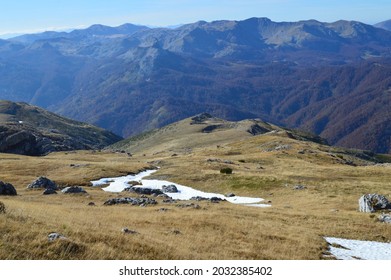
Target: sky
<point x="27" y="16"/>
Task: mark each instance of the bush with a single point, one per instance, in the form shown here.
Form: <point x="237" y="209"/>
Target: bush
<point x="2" y="208"/>
<point x="226" y="170"/>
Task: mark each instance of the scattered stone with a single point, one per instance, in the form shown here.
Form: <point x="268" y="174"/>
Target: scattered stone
<point x="212" y="199"/>
<point x="370" y="203"/>
<point x="176" y="232"/>
<point x="54" y="236"/>
<point x="2" y="208"/>
<point x="73" y="189"/>
<point x="170" y="201"/>
<point x="49" y="191"/>
<point x="189" y="205"/>
<point x="7" y="189"/>
<point x="129" y="231"/>
<point x="146" y="191"/>
<point x="163" y="210"/>
<point x="199" y="198"/>
<point x="385" y="218"/>
<point x="169" y="189"/>
<point x="91" y="204"/>
<point x="43" y="183"/>
<point x="230" y="195"/>
<point x="130" y="200"/>
<point x="299" y="187"/>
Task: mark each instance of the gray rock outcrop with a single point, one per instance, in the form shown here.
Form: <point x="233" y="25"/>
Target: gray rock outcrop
<point x="43" y="183"/>
<point x="373" y="202"/>
<point x="7" y="189"/>
<point x="169" y="189"/>
<point x="73" y="189"/>
<point x="146" y="191"/>
<point x="131" y="200"/>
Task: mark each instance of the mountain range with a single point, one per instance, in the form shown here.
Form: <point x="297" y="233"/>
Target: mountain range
<point x="332" y="79"/>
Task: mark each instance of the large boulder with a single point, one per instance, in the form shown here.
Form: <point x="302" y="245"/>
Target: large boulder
<point x="43" y="183"/>
<point x="7" y="189"/>
<point x="373" y="202"/>
<point x="169" y="189"/>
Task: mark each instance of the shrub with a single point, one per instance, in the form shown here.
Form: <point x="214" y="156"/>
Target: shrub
<point x="226" y="170"/>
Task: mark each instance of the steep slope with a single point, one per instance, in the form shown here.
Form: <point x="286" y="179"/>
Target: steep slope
<point x="133" y="79"/>
<point x="29" y="130"/>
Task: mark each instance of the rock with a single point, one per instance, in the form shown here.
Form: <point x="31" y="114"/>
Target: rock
<point x="212" y="199"/>
<point x="91" y="204"/>
<point x="373" y="202"/>
<point x="199" y="198"/>
<point x="54" y="235"/>
<point x="385" y="218"/>
<point x="299" y="187"/>
<point x="130" y="200"/>
<point x="147" y="191"/>
<point x="129" y="231"/>
<point x="43" y="183"/>
<point x="230" y="195"/>
<point x="73" y="189"/>
<point x="216" y="199"/>
<point x="189" y="205"/>
<point x="164" y="196"/>
<point x="7" y="189"/>
<point x="169" y="189"/>
<point x="170" y="201"/>
<point x="201" y="118"/>
<point x="49" y="191"/>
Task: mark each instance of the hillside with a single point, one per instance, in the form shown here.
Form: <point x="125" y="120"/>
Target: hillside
<point x="30" y="130"/>
<point x="310" y="192"/>
<point x="331" y="79"/>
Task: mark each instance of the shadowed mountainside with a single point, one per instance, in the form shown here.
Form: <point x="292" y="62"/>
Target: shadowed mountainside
<point x="29" y="130"/>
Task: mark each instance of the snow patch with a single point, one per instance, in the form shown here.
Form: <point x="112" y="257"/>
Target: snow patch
<point x="348" y="249"/>
<point x="118" y="184"/>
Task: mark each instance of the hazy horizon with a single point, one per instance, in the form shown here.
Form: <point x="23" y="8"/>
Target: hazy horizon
<point x="26" y="17"/>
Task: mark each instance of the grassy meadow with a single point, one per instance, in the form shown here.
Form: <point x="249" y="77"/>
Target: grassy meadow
<point x="293" y="228"/>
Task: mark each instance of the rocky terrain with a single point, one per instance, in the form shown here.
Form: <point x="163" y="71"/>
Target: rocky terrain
<point x="30" y="130"/>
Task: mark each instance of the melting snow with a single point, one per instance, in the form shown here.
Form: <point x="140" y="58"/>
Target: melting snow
<point x="356" y="249"/>
<point x="118" y="184"/>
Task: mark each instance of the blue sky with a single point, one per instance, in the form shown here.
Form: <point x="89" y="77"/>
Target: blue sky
<point x="28" y="16"/>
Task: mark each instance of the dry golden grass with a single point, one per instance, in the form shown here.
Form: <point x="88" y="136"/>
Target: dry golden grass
<point x="293" y="228"/>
